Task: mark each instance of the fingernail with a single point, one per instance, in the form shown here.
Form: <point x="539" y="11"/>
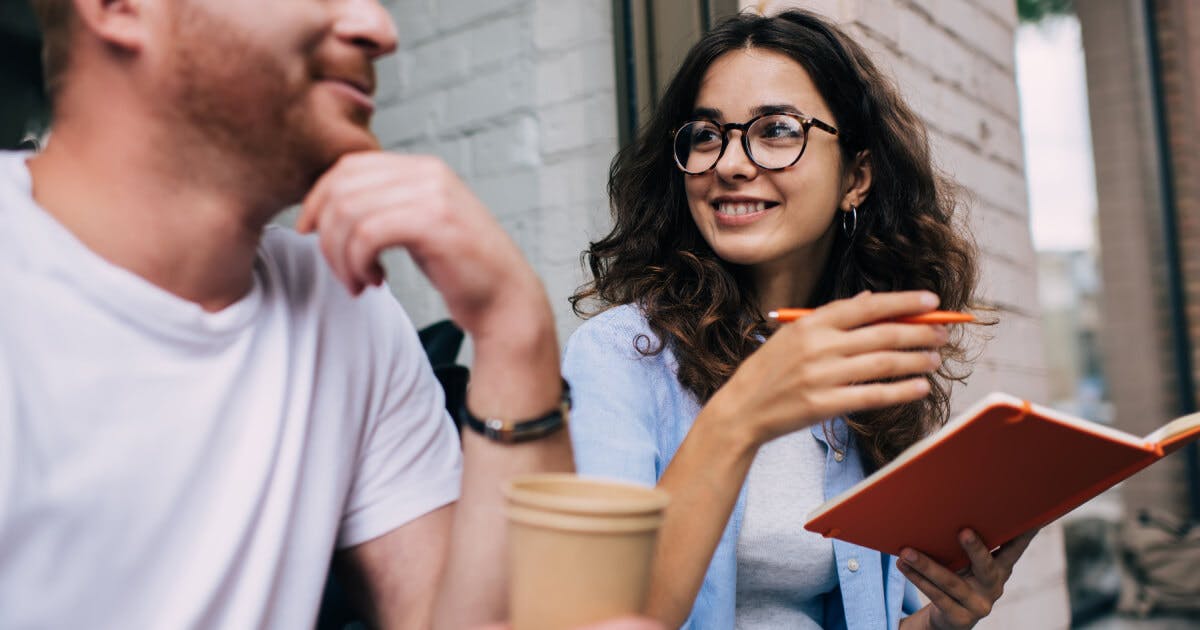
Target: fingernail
<point x="921" y="387"/>
<point x="909" y="556"/>
<point x="929" y="299"/>
<point x="968" y="538"/>
<point x="935" y="358"/>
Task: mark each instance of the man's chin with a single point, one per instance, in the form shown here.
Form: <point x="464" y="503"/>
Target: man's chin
<point x="353" y="140"/>
<point x="329" y="149"/>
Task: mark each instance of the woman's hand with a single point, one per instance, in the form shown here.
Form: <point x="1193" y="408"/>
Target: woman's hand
<point x="844" y="357"/>
<point x="959" y="601"/>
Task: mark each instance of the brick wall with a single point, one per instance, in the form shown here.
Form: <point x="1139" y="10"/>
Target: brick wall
<point x="954" y="62"/>
<point x="1178" y="26"/>
<point x="1135" y="322"/>
<point x="518" y="97"/>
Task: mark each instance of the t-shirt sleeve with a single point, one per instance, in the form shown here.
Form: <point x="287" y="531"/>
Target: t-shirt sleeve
<point x="410" y="459"/>
<point x="614" y="408"/>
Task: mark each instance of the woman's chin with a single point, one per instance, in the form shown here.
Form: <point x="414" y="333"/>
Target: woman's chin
<point x="744" y="256"/>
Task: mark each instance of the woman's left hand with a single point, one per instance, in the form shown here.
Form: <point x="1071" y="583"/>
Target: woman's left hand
<point x="959" y="600"/>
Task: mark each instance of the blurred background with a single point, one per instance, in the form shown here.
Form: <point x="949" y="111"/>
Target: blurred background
<point x="1073" y="125"/>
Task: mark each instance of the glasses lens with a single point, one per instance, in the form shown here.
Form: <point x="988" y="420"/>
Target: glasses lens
<point x="697" y="146"/>
<point x="776" y="141"/>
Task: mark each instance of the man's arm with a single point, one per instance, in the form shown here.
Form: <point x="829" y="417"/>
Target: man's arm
<point x="370" y="202"/>
<point x="393" y="579"/>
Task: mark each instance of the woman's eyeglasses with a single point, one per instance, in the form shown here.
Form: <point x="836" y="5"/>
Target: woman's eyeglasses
<point x="772" y="141"/>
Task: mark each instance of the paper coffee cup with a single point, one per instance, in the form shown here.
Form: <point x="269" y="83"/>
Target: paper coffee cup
<point x="580" y="549"/>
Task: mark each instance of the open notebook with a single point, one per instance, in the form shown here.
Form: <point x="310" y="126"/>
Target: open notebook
<point x="1002" y="467"/>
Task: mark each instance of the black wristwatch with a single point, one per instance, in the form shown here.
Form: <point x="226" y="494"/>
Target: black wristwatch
<point x="514" y="431"/>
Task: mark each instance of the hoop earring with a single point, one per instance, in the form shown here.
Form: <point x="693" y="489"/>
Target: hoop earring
<point x="850" y="222"/>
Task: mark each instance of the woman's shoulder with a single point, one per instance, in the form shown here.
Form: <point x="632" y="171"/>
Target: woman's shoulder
<point x="622" y="329"/>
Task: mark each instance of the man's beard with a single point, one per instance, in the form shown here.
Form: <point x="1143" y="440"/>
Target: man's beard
<point x="239" y="101"/>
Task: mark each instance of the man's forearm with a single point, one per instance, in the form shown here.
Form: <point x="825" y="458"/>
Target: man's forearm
<point x="515" y="376"/>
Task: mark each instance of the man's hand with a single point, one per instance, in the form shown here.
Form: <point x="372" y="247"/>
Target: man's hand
<point x="959" y="601"/>
<point x="373" y="201"/>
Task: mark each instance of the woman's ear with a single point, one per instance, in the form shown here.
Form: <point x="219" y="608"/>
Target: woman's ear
<point x="118" y="23"/>
<point x="857" y="183"/>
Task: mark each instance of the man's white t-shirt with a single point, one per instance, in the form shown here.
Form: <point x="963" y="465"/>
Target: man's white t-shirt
<point x="166" y="467"/>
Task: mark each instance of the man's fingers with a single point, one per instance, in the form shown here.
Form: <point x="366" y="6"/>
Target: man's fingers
<point x="869" y="308"/>
<point x="315" y="200"/>
<point x="374" y="233"/>
<point x="353" y="173"/>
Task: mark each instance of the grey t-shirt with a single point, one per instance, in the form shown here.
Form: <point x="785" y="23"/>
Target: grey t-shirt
<point x="784" y="571"/>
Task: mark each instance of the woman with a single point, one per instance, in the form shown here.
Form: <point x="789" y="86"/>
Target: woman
<point x="780" y="169"/>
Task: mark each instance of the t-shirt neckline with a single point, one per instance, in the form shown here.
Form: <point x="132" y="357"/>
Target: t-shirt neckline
<point x="67" y="259"/>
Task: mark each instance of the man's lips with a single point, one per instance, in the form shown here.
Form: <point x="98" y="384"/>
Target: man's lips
<point x="357" y="91"/>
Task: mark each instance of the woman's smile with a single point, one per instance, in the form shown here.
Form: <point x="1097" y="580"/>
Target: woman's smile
<point x="733" y="211"/>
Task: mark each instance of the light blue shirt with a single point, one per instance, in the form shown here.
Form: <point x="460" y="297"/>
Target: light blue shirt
<point x="629" y="417"/>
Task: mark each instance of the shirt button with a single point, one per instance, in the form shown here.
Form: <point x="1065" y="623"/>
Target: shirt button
<point x="852" y="565"/>
<point x="839" y="456"/>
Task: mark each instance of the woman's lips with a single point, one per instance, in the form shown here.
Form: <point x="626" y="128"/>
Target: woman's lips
<point x="739" y="212"/>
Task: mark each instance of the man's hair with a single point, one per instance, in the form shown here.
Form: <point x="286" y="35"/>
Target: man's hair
<point x="54" y="17"/>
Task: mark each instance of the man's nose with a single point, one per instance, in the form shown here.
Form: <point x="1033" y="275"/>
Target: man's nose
<point x="368" y="25"/>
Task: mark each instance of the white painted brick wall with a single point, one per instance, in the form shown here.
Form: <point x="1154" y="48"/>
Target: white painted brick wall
<point x="518" y="96"/>
<point x="953" y="60"/>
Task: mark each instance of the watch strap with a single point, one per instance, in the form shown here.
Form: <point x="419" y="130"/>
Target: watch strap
<point x="516" y="431"/>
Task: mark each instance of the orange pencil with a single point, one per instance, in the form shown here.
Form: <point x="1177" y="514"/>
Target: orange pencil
<point x="932" y="317"/>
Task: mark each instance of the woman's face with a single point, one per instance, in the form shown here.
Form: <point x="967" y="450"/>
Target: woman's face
<point x="751" y="216"/>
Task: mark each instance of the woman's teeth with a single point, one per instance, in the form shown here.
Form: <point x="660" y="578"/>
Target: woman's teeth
<point x="736" y="209"/>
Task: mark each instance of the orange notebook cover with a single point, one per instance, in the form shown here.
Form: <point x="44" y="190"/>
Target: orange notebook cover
<point x="1002" y="467"/>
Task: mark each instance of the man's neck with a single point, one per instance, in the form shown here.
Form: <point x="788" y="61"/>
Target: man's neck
<point x="149" y="212"/>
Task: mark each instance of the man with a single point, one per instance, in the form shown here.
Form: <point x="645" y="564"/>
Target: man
<point x="195" y="409"/>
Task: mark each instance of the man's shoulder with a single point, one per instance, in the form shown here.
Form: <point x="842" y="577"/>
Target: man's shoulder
<point x="291" y="251"/>
<point x="295" y="262"/>
<point x="295" y="265"/>
<point x="15" y="187"/>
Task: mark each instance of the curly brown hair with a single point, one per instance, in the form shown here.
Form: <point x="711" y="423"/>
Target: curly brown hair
<point x="705" y="308"/>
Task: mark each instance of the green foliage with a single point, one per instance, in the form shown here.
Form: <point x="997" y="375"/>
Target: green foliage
<point x="1036" y="10"/>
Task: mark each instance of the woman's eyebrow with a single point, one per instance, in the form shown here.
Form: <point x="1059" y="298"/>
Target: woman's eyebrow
<point x="776" y="109"/>
<point x="711" y="113"/>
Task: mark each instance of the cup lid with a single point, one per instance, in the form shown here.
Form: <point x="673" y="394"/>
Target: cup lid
<point x="564" y="492"/>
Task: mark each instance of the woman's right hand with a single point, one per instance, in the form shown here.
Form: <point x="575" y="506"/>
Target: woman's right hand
<point x="844" y="357"/>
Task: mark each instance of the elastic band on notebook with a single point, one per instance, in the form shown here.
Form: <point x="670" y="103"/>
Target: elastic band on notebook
<point x="1026" y="411"/>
